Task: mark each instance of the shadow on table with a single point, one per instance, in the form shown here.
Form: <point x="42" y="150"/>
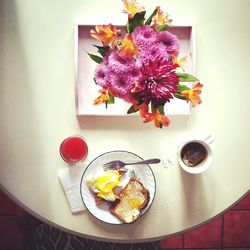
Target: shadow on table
<point x="20" y="131"/>
<point x="194" y="196"/>
<point x="128" y="122"/>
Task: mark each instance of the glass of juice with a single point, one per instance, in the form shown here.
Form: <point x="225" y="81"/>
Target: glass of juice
<point x="73" y="149"/>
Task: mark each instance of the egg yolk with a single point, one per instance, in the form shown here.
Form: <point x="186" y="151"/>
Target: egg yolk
<point x="106" y="183"/>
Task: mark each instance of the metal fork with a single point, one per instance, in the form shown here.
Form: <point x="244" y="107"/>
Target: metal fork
<point x="119" y="164"/>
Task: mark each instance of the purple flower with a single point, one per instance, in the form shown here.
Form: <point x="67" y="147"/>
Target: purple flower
<point x="154" y="52"/>
<point x="144" y="36"/>
<point x="120" y="85"/>
<point x="117" y="74"/>
<point x="119" y="64"/>
<point x="101" y="75"/>
<point x="170" y="41"/>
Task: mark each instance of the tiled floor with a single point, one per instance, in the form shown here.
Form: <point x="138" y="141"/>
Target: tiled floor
<point x="228" y="231"/>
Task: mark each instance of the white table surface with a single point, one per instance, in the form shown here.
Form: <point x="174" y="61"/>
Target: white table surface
<point x="37" y="112"/>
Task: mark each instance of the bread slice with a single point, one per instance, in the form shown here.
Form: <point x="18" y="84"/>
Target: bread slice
<point x="132" y="199"/>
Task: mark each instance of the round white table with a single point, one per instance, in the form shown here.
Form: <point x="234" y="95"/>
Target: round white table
<point x="37" y="109"/>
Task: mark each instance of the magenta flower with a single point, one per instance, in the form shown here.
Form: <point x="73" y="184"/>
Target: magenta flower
<point x="157" y="83"/>
<point x="170" y="41"/>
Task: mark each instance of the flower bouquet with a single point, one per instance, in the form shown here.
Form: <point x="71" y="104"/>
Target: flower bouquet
<point x="142" y="66"/>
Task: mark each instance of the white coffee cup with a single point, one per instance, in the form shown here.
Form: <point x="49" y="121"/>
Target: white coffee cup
<point x="197" y="146"/>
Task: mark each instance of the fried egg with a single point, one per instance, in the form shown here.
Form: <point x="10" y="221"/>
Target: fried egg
<point x="103" y="183"/>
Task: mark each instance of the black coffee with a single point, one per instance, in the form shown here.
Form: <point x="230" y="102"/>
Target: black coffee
<point x="193" y="153"/>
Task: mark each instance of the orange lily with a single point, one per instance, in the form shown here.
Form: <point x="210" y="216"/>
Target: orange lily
<point x="131" y="7"/>
<point x="128" y="48"/>
<point x="106" y="34"/>
<point x="160" y="18"/>
<point x="103" y="98"/>
<point x="180" y="62"/>
<point x="192" y="95"/>
<point x="158" y="118"/>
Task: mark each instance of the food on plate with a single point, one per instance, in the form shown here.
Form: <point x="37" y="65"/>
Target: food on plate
<point x="103" y="184"/>
<point x="132" y="199"/>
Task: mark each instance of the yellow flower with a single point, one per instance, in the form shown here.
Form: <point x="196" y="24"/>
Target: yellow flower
<point x="160" y="18"/>
<point x="128" y="48"/>
<point x="103" y="98"/>
<point x="131" y="7"/>
<point x="192" y="95"/>
<point x="106" y="34"/>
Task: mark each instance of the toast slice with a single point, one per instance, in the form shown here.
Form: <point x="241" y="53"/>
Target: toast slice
<point x="132" y="199"/>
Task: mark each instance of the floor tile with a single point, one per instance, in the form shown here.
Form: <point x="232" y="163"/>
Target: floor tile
<point x="243" y="204"/>
<point x="207" y="236"/>
<point x="7" y="206"/>
<point x="238" y="248"/>
<point x="11" y="236"/>
<point x="174" y="242"/>
<point x="237" y="229"/>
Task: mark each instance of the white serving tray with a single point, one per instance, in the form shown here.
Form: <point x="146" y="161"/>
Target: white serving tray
<point x="86" y="90"/>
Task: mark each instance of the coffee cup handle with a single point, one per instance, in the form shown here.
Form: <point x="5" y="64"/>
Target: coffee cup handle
<point x="209" y="139"/>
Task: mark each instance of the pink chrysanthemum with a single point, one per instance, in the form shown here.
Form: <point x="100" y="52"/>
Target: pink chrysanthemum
<point x="154" y="52"/>
<point x="144" y="36"/>
<point x="170" y="41"/>
<point x="117" y="74"/>
<point x="120" y="85"/>
<point x="157" y="83"/>
<point x="119" y="64"/>
<point x="101" y="75"/>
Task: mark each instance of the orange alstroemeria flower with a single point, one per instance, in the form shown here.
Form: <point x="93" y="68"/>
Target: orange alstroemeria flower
<point x="106" y="34"/>
<point x="180" y="62"/>
<point x="103" y="98"/>
<point x="128" y="48"/>
<point x="158" y="118"/>
<point x="192" y="95"/>
<point x="160" y="18"/>
<point x="131" y="7"/>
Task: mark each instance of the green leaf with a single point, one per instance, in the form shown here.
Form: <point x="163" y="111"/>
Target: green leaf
<point x="162" y="27"/>
<point x="137" y="20"/>
<point x="102" y="49"/>
<point x="184" y="77"/>
<point x="180" y="96"/>
<point x="95" y="58"/>
<point x="181" y="87"/>
<point x="131" y="110"/>
<point x="161" y="109"/>
<point x="127" y="27"/>
<point x="149" y="20"/>
<point x="111" y="99"/>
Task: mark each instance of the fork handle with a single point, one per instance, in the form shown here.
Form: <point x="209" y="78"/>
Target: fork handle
<point x="149" y="161"/>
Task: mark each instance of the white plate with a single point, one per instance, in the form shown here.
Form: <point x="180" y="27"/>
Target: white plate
<point x="142" y="172"/>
